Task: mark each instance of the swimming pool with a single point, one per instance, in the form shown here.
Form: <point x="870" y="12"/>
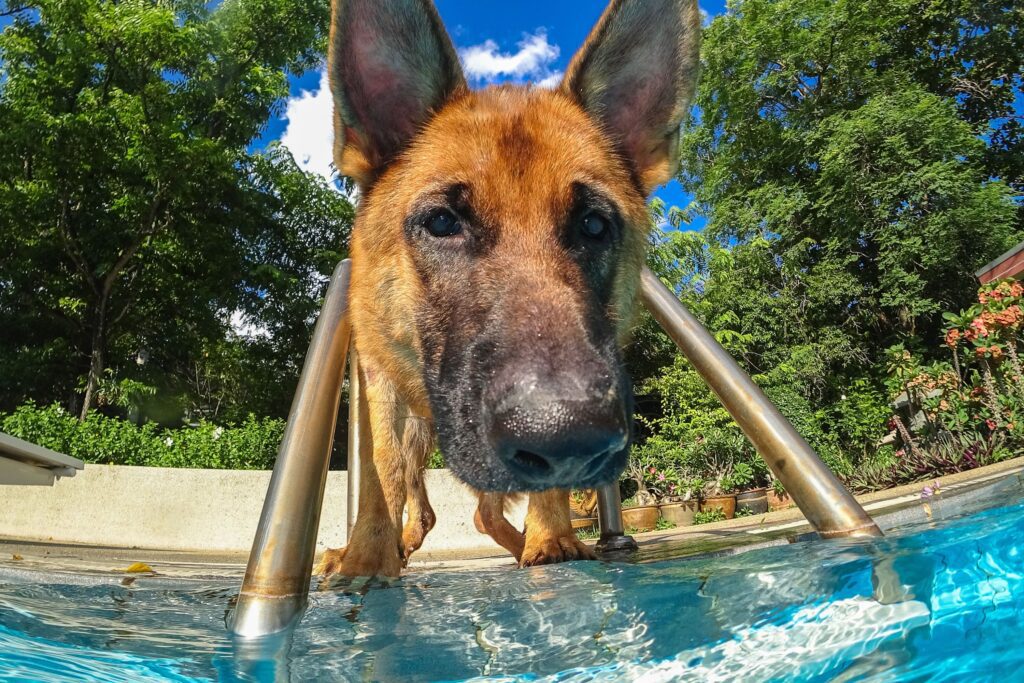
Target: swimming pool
<point x="931" y="601"/>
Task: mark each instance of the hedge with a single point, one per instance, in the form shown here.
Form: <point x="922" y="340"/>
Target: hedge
<point x="251" y="445"/>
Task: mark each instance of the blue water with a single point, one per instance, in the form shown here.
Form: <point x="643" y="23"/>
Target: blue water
<point x="932" y="602"/>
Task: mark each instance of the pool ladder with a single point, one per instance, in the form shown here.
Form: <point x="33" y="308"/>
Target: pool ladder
<point x="277" y="578"/>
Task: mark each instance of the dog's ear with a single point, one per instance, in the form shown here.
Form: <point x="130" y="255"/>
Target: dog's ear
<point x="635" y="75"/>
<point x="392" y="66"/>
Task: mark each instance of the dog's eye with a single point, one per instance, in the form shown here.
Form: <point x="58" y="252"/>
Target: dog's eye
<point x="594" y="225"/>
<point x="443" y="224"/>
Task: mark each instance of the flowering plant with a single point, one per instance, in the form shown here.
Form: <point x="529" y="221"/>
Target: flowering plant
<point x="969" y="412"/>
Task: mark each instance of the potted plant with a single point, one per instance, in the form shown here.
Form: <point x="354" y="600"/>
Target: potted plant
<point x="717" y="496"/>
<point x="683" y="502"/>
<point x="778" y="499"/>
<point x="640" y="511"/>
<point x="639" y="517"/>
<point x="751" y="501"/>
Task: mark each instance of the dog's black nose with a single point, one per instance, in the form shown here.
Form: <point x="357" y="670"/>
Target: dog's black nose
<point x="558" y="433"/>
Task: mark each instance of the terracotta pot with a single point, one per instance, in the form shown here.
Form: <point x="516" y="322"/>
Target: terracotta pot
<point x="725" y="503"/>
<point x="584" y="523"/>
<point x="680" y="514"/>
<point x="641" y="518"/>
<point x="753" y="500"/>
<point x="777" y="502"/>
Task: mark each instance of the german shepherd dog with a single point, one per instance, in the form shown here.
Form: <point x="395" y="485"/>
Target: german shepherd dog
<point x="495" y="263"/>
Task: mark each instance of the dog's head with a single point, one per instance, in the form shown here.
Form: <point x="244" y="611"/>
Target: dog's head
<point x="516" y="219"/>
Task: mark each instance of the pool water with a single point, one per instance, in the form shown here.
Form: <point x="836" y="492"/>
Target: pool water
<point x="930" y="602"/>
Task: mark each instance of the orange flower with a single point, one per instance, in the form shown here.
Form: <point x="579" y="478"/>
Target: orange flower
<point x="979" y="326"/>
<point x="952" y="338"/>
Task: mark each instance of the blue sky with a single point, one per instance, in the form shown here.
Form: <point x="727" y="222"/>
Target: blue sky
<point x="526" y="40"/>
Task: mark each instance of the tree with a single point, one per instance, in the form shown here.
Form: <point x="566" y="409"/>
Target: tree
<point x="818" y="141"/>
<point x="135" y="217"/>
<point x="856" y="162"/>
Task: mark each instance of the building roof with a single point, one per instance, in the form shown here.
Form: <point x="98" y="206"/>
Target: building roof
<point x="1010" y="264"/>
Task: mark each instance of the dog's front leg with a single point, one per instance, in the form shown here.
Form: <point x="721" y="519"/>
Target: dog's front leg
<point x="490" y="519"/>
<point x="418" y="439"/>
<point x="375" y="547"/>
<point x="549" y="535"/>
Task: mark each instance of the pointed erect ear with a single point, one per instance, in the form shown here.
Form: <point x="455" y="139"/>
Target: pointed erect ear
<point x="392" y="66"/>
<point x="635" y="76"/>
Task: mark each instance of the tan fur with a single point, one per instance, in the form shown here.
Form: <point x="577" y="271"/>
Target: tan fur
<point x="518" y="150"/>
<point x="490" y="519"/>
<point x="549" y="534"/>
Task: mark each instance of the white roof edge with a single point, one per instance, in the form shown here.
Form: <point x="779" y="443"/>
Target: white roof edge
<point x="32" y="454"/>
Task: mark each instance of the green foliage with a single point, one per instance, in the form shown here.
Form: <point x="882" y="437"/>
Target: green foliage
<point x="960" y="415"/>
<point x="708" y="516"/>
<point x="252" y="444"/>
<point x="662" y="524"/>
<point x="740" y="479"/>
<point x="852" y="182"/>
<point x="136" y="219"/>
<point x="435" y="461"/>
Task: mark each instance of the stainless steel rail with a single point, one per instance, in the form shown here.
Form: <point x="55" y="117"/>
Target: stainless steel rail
<point x="609" y="519"/>
<point x="356" y="431"/>
<point x="828" y="506"/>
<point x="277" y="577"/>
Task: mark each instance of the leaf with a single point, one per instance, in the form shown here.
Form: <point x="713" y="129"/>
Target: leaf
<point x="16" y="556"/>
<point x="139" y="568"/>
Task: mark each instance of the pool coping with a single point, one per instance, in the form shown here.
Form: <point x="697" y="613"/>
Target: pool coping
<point x="70" y="563"/>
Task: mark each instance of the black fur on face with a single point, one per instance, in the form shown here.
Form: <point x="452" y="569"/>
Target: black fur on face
<point x="522" y="368"/>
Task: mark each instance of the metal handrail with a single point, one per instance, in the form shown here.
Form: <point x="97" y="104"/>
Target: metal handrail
<point x="356" y="428"/>
<point x="277" y="579"/>
<point x="276" y="582"/>
<point x="823" y="500"/>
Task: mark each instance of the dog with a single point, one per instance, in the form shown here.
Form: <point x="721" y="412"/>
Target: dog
<point x="496" y="259"/>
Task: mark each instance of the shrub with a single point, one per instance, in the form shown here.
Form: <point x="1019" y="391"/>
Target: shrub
<point x="963" y="414"/>
<point x="105" y="440"/>
<point x="708" y="516"/>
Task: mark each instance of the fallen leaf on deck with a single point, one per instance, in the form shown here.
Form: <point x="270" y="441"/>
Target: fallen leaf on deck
<point x="138" y="568"/>
<point x="17" y="557"/>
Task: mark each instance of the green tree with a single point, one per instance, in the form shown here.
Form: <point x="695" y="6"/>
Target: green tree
<point x="135" y="217"/>
<point x="856" y="162"/>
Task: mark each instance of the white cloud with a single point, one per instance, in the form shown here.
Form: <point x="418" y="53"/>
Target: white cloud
<point x="485" y="63"/>
<point x="309" y="135"/>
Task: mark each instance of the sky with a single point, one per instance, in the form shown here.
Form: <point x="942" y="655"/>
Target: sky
<point x="498" y="42"/>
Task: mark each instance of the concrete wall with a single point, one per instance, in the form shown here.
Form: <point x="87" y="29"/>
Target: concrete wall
<point x="207" y="510"/>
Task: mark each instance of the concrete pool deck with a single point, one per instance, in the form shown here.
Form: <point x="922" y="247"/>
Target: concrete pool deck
<point x="893" y="508"/>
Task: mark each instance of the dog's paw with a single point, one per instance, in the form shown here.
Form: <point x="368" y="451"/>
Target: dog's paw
<point x="330" y="563"/>
<point x="552" y="550"/>
<point x="414" y="532"/>
<point x="412" y="539"/>
<point x="356" y="560"/>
